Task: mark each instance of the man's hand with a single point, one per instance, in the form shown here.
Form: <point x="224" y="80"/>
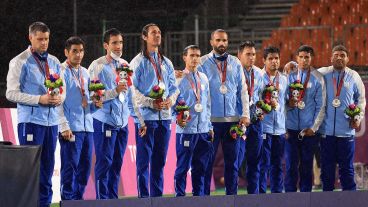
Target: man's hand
<point x="179" y="74"/>
<point x="47" y="99"/>
<point x="309" y="132"/>
<point x="142" y="131"/>
<point x="98" y="103"/>
<point x="158" y="104"/>
<point x="261" y="117"/>
<point x="244" y="121"/>
<point x="182" y="123"/>
<point x="67" y="135"/>
<point x="167" y="103"/>
<point x="354" y="124"/>
<point x="121" y="87"/>
<point x="211" y="133"/>
<point x="273" y="103"/>
<point x="293" y="103"/>
<point x="286" y="135"/>
<point x="289" y="67"/>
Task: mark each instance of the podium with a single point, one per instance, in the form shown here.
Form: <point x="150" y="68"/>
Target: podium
<point x="19" y="175"/>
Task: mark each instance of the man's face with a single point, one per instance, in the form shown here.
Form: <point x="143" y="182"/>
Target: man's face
<point x="39" y="41"/>
<point x="339" y="59"/>
<point x="153" y="37"/>
<point x="272" y="61"/>
<point x="247" y="57"/>
<point x="192" y="58"/>
<point x="115" y="45"/>
<point x="75" y="54"/>
<point x="304" y="59"/>
<point x="219" y="42"/>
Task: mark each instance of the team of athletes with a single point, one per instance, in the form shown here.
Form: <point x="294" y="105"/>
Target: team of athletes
<point x="263" y="116"/>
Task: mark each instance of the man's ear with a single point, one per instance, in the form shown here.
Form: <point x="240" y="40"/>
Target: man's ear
<point x="66" y="52"/>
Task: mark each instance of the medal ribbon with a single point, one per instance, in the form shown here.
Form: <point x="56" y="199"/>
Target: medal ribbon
<point x="277" y="77"/>
<point x="304" y="85"/>
<point x="341" y="83"/>
<point x="113" y="66"/>
<point x="251" y="83"/>
<point x="222" y="71"/>
<point x="158" y="75"/>
<point x="45" y="71"/>
<point x="197" y="91"/>
<point x="80" y="81"/>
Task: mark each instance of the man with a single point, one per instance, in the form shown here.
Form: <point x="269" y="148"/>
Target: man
<point x="305" y="114"/>
<point x="110" y="122"/>
<point x="38" y="117"/>
<point x="77" y="124"/>
<point x="252" y="146"/>
<point x="273" y="123"/>
<point x="193" y="137"/>
<point x="152" y="71"/>
<point x="228" y="94"/>
<point x="344" y="88"/>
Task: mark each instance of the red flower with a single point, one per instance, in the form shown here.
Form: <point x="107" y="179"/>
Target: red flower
<point x="156" y="88"/>
<point x="352" y="106"/>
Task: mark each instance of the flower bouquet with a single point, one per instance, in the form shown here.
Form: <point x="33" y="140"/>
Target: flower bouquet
<point x="156" y="92"/>
<point x="182" y="111"/>
<point x="353" y="112"/>
<point x="54" y="84"/>
<point x="261" y="108"/>
<point x="296" y="89"/>
<point x="237" y="131"/>
<point x="270" y="96"/>
<point x="97" y="90"/>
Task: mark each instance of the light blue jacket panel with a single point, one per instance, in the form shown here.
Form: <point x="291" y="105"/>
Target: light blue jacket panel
<point x="113" y="112"/>
<point x="200" y="121"/>
<point x="25" y="85"/>
<point x="258" y="86"/>
<point x="225" y="106"/>
<point x="274" y="122"/>
<point x="315" y="98"/>
<point x="144" y="78"/>
<point x="78" y="119"/>
<point x="352" y="92"/>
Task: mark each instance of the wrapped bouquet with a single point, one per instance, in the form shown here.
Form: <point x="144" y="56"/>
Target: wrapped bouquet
<point x="54" y="84"/>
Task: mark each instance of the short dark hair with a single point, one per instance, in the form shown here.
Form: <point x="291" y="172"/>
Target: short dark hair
<point x="269" y="50"/>
<point x="38" y="27"/>
<point x="247" y="43"/>
<point x="305" y="48"/>
<point x="218" y="30"/>
<point x="109" y="33"/>
<point x="193" y="47"/>
<point x="74" y="40"/>
<point x="340" y="48"/>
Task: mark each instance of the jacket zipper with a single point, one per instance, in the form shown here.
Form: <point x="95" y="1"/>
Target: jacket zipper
<point x="84" y="120"/>
<point x="298" y="120"/>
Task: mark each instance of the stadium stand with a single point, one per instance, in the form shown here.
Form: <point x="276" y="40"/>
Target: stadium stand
<point x="322" y="23"/>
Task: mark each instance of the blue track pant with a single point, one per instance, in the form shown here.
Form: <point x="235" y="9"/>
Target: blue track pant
<point x="46" y="136"/>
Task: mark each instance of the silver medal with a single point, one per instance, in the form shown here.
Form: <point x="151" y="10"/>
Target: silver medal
<point x="301" y="105"/>
<point x="198" y="108"/>
<point x="223" y="89"/>
<point x="336" y="103"/>
<point x="121" y="97"/>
